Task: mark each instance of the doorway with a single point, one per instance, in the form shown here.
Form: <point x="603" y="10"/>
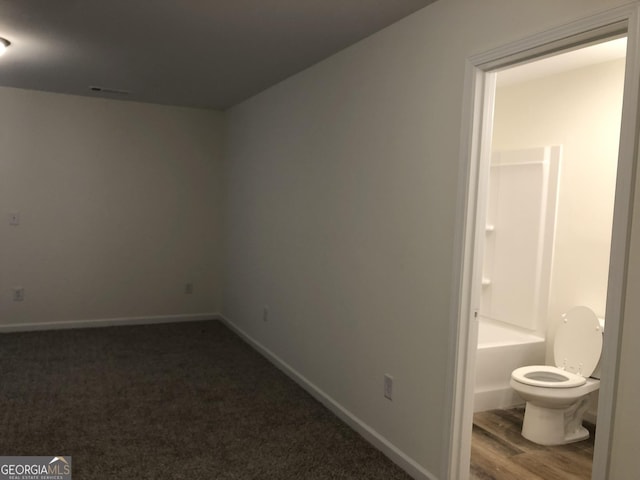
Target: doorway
<point x="475" y="154"/>
<point x="548" y="214"/>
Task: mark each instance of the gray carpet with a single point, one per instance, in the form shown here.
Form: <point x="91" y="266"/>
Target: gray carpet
<point x="173" y="401"/>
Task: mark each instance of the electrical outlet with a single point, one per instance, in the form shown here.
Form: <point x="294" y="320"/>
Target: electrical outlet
<point x="265" y="313"/>
<point x="388" y="386"/>
<point x="14" y="219"/>
<point x="18" y="294"/>
<point x="188" y="288"/>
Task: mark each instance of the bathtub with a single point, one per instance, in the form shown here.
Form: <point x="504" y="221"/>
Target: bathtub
<point x="502" y="349"/>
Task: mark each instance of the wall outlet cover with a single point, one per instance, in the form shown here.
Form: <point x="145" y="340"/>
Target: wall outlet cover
<point x="18" y="294"/>
<point x="388" y="386"/>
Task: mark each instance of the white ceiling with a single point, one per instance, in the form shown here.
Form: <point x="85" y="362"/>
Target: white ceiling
<point x="199" y="53"/>
<point x="563" y="62"/>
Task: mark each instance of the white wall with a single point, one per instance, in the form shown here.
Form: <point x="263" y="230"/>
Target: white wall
<point x="118" y="204"/>
<point x="580" y="110"/>
<point x="341" y="186"/>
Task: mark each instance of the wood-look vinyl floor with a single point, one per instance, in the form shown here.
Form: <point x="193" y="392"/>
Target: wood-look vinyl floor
<point x="500" y="452"/>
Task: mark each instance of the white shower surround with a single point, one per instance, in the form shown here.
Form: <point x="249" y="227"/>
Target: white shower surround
<point x="521" y="221"/>
<point x="517" y="270"/>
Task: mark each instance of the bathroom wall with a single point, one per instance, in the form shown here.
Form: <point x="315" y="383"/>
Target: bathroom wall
<point x="119" y="208"/>
<point x="579" y="110"/>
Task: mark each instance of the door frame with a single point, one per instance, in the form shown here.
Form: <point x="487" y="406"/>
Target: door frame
<point x="475" y="144"/>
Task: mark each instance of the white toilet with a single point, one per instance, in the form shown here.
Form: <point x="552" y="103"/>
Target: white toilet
<point x="557" y="397"/>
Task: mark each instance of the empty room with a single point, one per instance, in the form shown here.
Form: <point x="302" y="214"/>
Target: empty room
<point x="242" y="239"/>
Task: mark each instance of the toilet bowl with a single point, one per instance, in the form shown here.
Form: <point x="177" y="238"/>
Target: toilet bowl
<point x="558" y="396"/>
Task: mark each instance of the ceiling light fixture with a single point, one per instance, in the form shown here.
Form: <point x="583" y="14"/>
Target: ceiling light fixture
<point x="4" y="44"/>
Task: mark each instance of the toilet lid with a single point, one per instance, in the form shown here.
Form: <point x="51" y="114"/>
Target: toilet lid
<point x="578" y="342"/>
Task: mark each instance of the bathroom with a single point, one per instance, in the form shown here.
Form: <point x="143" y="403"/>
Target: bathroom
<point x="552" y="179"/>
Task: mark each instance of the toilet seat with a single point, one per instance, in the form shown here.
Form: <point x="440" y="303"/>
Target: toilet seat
<point x="547" y="376"/>
<point x="576" y="350"/>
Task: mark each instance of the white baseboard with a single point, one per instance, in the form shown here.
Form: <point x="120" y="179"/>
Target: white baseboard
<point x="107" y="322"/>
<point x="385" y="446"/>
<point x="591" y="417"/>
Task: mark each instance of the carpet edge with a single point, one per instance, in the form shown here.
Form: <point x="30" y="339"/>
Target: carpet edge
<point x="396" y="455"/>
